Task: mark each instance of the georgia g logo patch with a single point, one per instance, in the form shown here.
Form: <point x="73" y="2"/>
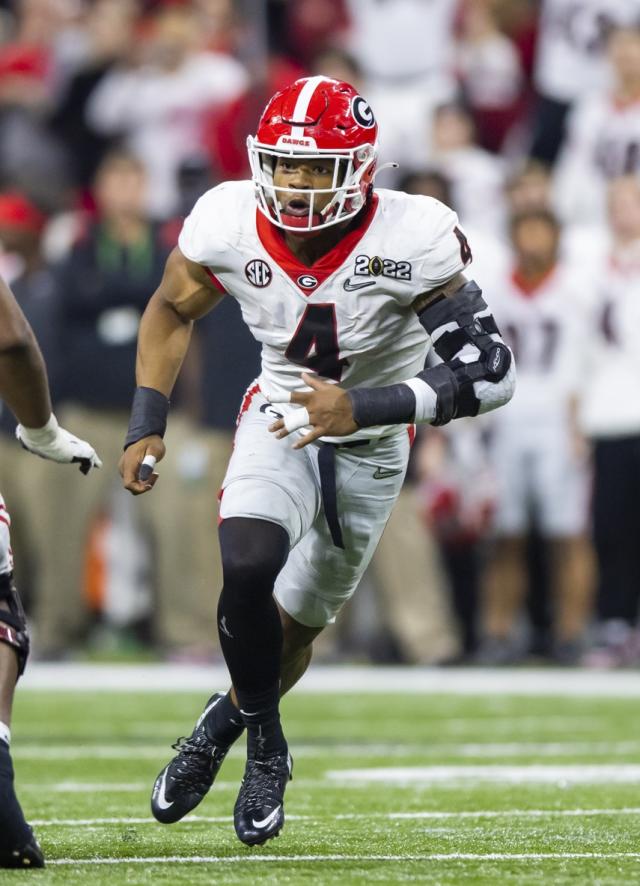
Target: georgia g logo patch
<point x="258" y="273"/>
<point x="307" y="281"/>
<point x="362" y="113"/>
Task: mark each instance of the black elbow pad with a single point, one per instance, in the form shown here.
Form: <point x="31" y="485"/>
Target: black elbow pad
<point x="494" y="357"/>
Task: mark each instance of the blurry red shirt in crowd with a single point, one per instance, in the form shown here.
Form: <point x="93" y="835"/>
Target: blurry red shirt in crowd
<point x="225" y="129"/>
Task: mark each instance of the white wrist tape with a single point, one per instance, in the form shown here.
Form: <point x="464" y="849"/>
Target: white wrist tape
<point x="426" y="399"/>
<point x="296" y="420"/>
<point x="41" y="436"/>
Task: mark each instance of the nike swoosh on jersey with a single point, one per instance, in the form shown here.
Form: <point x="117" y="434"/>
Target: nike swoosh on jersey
<point x="383" y="473"/>
<point x="265" y="821"/>
<point x="350" y="286"/>
<point x="161" y="800"/>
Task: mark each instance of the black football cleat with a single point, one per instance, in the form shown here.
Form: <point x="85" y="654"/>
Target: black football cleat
<point x="185" y="781"/>
<point x="18" y="846"/>
<point x="259" y="811"/>
<point x="26" y="856"/>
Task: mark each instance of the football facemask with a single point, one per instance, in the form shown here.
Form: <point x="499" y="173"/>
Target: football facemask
<point x="322" y="119"/>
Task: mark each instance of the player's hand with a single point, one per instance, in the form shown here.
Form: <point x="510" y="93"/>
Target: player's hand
<point x="137" y="464"/>
<point x="56" y="444"/>
<point x="326" y="409"/>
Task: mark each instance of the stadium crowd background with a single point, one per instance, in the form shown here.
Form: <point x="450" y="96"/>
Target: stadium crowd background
<point x="518" y="535"/>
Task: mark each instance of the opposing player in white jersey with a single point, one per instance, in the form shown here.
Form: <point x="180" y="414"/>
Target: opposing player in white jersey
<point x="357" y="288"/>
<point x="25" y="390"/>
<point x="542" y="310"/>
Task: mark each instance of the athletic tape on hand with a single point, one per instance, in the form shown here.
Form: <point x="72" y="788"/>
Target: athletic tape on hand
<point x="146" y="468"/>
<point x="280" y="397"/>
<point x="296" y="420"/>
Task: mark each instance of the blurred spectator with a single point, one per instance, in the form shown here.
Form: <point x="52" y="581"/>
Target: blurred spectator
<point x="107" y="39"/>
<point x="604" y="134"/>
<point x="529" y="187"/>
<point x="488" y="251"/>
<point x="402" y="42"/>
<point x="102" y="289"/>
<point x="222" y="361"/>
<point x="340" y="65"/>
<point x="490" y="73"/>
<point x="570" y="62"/>
<point x="477" y="177"/>
<point x="405" y="51"/>
<point x="518" y="19"/>
<point x="540" y="471"/>
<point x="22" y="263"/>
<point x="308" y="27"/>
<point x="158" y="101"/>
<point x="411" y="596"/>
<point x="610" y="417"/>
<point x="30" y="158"/>
<point x="457" y="494"/>
<point x="222" y="25"/>
<point x="225" y="128"/>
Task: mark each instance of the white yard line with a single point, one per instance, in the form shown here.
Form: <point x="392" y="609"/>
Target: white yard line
<point x="466" y="749"/>
<point x="261" y="859"/>
<point x="456" y="681"/>
<point x="132" y="787"/>
<point x="570" y="773"/>
<point x="406" y="776"/>
<point x="356" y="816"/>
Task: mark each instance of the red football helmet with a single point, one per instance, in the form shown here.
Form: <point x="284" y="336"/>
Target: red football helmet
<point x="316" y="117"/>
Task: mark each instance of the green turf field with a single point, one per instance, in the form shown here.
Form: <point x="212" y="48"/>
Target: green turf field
<point x="406" y="789"/>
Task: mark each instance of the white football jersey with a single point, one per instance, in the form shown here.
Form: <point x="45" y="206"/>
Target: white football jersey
<point x="603" y="142"/>
<point x="609" y="402"/>
<point x="570" y="56"/>
<point x="545" y="330"/>
<point x="348" y="317"/>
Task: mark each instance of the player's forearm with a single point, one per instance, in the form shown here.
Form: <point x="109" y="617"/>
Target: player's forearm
<point x="475" y="372"/>
<point x="23" y="379"/>
<point x="184" y="295"/>
<point x="163" y="341"/>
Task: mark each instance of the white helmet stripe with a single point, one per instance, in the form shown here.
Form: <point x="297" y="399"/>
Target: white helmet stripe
<point x="303" y="102"/>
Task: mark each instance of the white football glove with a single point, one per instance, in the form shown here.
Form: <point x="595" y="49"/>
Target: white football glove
<point x="56" y="444"/>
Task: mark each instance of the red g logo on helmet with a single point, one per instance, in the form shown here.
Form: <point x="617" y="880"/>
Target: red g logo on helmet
<point x="316" y="117"/>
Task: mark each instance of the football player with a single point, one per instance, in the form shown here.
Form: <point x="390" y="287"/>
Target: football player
<point x="349" y="291"/>
<point x="25" y="390"/>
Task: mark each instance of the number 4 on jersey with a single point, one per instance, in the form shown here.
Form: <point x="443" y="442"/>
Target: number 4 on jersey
<point x="315" y="342"/>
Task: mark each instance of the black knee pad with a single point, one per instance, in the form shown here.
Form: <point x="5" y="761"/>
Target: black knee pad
<point x="13" y="624"/>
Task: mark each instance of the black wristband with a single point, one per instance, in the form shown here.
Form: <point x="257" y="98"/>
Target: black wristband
<point x="391" y="405"/>
<point x="444" y="382"/>
<point x="149" y="413"/>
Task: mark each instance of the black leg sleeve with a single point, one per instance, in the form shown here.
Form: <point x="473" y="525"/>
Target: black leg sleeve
<point x="253" y="553"/>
